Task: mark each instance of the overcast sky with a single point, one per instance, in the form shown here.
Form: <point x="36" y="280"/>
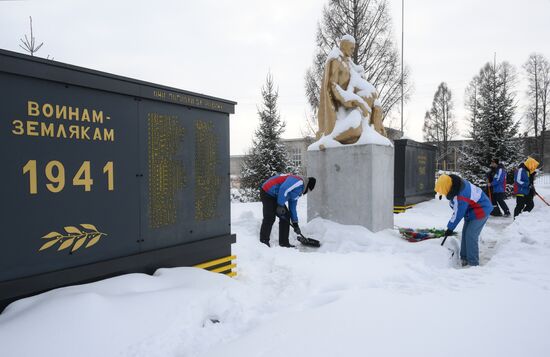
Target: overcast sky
<point x="225" y="48"/>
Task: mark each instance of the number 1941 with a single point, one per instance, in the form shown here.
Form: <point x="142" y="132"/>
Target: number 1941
<point x="55" y="173"/>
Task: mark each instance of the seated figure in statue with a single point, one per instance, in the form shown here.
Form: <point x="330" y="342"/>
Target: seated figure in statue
<point x="348" y="102"/>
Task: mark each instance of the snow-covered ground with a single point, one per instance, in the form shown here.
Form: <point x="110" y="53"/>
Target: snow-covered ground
<point x="360" y="294"/>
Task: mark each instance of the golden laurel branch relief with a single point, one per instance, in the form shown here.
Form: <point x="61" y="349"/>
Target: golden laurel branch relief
<point x="74" y="237"/>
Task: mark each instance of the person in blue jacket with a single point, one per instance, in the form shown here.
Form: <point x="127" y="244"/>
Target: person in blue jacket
<point x="469" y="202"/>
<point x="498" y="188"/>
<point x="275" y="192"/>
<point x="524" y="186"/>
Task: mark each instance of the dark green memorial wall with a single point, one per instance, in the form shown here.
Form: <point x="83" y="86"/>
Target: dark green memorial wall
<point x="104" y="175"/>
<point x="414" y="172"/>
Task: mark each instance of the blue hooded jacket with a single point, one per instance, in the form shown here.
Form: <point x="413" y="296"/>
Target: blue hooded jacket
<point x="499" y="180"/>
<point x="470" y="203"/>
<point x="521" y="181"/>
<point x="286" y="188"/>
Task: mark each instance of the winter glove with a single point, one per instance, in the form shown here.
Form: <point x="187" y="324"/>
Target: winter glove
<point x="296" y="227"/>
<point x="448" y="232"/>
<point x="281" y="211"/>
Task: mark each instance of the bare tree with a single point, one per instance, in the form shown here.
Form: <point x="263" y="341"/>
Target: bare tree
<point x="537" y="69"/>
<point x="369" y="22"/>
<point x="439" y="123"/>
<point x="29" y="45"/>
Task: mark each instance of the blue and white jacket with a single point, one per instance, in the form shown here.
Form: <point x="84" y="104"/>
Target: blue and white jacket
<point x="499" y="180"/>
<point x="521" y="181"/>
<point x="471" y="203"/>
<point x="286" y="188"/>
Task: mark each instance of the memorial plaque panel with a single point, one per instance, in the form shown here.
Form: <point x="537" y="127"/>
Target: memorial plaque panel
<point x="414" y="172"/>
<point x="103" y="175"/>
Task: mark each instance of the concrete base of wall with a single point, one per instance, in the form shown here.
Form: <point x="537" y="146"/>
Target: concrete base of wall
<point x="354" y="185"/>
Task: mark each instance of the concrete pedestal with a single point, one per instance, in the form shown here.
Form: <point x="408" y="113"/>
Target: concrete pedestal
<point x="354" y="185"/>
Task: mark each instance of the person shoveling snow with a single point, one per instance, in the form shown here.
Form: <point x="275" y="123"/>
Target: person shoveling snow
<point x="275" y="192"/>
<point x="469" y="202"/>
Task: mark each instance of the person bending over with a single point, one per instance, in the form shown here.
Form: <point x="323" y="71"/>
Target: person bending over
<point x="469" y="202"/>
<point x="275" y="192"/>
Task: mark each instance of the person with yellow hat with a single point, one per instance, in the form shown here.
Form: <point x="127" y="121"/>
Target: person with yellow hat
<point x="469" y="202"/>
<point x="524" y="186"/>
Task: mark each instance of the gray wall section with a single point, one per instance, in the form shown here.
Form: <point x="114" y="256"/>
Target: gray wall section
<point x="354" y="185"/>
<point x="532" y="148"/>
<point x="236" y="162"/>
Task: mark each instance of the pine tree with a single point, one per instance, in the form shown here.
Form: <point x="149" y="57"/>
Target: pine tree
<point x="490" y="99"/>
<point x="268" y="155"/>
<point x="369" y="22"/>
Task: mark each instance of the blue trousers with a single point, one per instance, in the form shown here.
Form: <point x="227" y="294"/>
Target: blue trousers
<point x="469" y="248"/>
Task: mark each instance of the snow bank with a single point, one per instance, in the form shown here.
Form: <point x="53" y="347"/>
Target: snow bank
<point x="135" y="314"/>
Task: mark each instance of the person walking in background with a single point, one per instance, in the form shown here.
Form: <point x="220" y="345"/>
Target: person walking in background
<point x="498" y="188"/>
<point x="275" y="192"/>
<point x="496" y="211"/>
<point x="524" y="186"/>
<point x="469" y="202"/>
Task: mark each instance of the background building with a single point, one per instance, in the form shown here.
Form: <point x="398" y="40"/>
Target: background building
<point x="297" y="151"/>
<point x="449" y="161"/>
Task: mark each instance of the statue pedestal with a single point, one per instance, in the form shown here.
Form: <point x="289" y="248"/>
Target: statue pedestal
<point x="354" y="185"/>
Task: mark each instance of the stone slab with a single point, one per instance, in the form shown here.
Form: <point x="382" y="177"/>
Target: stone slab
<point x="354" y="185"/>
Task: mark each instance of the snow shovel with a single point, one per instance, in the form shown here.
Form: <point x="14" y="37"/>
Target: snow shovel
<point x="310" y="242"/>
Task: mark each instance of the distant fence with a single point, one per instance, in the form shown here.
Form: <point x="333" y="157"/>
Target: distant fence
<point x="542" y="179"/>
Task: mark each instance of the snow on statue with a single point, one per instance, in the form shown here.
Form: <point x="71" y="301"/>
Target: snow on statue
<point x="349" y="104"/>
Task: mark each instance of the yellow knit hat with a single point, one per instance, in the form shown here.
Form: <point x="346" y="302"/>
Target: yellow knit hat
<point x="531" y="164"/>
<point x="443" y="185"/>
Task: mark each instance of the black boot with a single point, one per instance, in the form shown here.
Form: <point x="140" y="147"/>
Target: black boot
<point x="287" y="245"/>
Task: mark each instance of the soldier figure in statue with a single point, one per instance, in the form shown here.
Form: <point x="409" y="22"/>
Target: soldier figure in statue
<point x="343" y="91"/>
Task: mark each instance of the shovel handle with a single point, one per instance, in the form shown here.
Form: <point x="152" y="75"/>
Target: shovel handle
<point x="444" y="239"/>
<point x="489" y="190"/>
<point x="543" y="200"/>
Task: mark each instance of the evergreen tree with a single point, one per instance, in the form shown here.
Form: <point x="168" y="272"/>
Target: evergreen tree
<point x="369" y="22"/>
<point x="268" y="155"/>
<point x="490" y="99"/>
